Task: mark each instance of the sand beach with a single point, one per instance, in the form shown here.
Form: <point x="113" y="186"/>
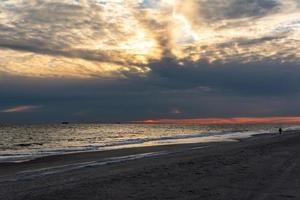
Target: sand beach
<point x="261" y="167"/>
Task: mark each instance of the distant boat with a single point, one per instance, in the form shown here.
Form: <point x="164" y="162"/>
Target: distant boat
<point x="65" y="122"/>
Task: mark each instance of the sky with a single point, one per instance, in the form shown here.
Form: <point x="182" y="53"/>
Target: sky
<point x="135" y="60"/>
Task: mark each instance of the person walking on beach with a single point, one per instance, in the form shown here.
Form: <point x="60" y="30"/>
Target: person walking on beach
<point x="280" y="131"/>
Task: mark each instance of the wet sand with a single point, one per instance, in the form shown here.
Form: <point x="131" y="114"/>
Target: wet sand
<point x="260" y="167"/>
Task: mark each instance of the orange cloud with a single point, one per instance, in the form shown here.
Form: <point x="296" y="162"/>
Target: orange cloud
<point x="240" y="120"/>
<point x="18" y="109"/>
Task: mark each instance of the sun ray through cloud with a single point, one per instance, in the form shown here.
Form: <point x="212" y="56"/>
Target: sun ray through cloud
<point x="114" y="37"/>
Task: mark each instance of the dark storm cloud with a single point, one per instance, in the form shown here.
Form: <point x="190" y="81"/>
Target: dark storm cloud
<point x="254" y="79"/>
<point x="196" y="90"/>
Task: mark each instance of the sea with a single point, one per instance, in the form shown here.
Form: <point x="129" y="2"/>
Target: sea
<point x="19" y="143"/>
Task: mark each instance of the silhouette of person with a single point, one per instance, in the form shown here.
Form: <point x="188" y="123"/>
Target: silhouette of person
<point x="280" y="130"/>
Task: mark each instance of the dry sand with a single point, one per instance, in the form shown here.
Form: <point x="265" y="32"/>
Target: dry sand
<point x="261" y="167"/>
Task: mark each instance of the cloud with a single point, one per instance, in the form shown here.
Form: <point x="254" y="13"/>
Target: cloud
<point x="203" y="90"/>
<point x="215" y="10"/>
<point x="59" y="34"/>
<point x="117" y="60"/>
<point x="18" y="109"/>
<point x="108" y="38"/>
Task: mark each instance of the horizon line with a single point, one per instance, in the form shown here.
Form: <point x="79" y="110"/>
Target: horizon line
<point x="232" y="120"/>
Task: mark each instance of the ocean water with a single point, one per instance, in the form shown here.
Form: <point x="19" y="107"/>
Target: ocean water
<point x="24" y="142"/>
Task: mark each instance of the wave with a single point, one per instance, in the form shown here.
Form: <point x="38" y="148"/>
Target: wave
<point x="27" y="154"/>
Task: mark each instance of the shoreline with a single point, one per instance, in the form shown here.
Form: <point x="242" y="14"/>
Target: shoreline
<point x="18" y="152"/>
<point x="15" y="184"/>
<point x="149" y="142"/>
<point x="81" y="157"/>
<point x="8" y="168"/>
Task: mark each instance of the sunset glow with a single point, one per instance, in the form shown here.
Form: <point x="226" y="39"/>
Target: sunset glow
<point x="241" y="120"/>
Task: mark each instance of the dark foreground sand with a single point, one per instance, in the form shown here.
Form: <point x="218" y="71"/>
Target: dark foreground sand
<point x="262" y="167"/>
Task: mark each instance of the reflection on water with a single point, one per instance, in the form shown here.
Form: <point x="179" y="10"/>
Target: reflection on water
<point x="19" y="142"/>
